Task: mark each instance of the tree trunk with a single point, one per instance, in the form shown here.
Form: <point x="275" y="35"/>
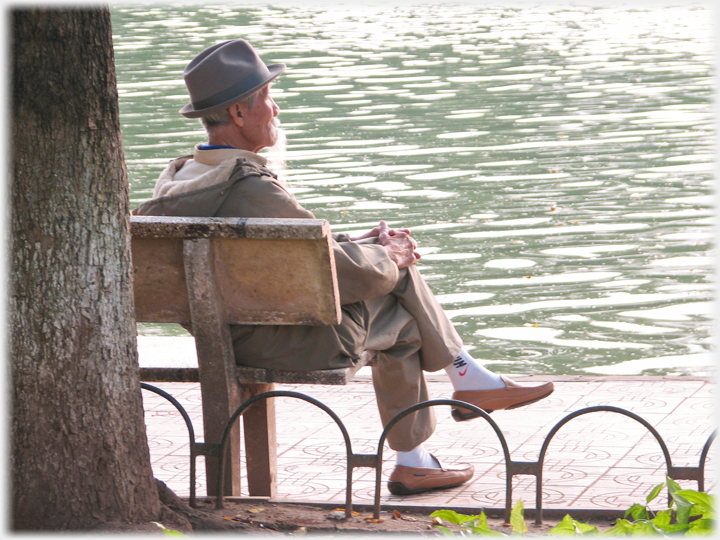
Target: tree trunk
<point x="79" y="449"/>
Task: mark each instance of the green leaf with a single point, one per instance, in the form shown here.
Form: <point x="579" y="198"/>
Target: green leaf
<point x="570" y="527"/>
<point x="517" y="519"/>
<point x="482" y="522"/>
<point x="622" y="527"/>
<point x="447" y="515"/>
<point x="672" y="485"/>
<point x="684" y="507"/>
<point x="663" y="522"/>
<point x="481" y="528"/>
<point x="637" y="511"/>
<point x="701" y="527"/>
<point x="453" y="517"/>
<point x="444" y="530"/>
<point x="669" y="529"/>
<point x="704" y="502"/>
<point x="663" y="518"/>
<point x="564" y="528"/>
<point x="169" y="532"/>
<point x="683" y="513"/>
<point x="655" y="492"/>
<point x="584" y="528"/>
<point x="644" y="528"/>
<point x="481" y="531"/>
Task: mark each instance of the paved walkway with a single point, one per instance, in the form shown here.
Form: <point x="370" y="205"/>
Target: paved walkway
<point x="596" y="461"/>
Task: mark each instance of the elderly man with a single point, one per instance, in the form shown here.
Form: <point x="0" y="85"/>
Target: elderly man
<point x="386" y="305"/>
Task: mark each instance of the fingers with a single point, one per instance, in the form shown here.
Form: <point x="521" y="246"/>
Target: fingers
<point x="400" y="245"/>
<point x="382" y="230"/>
<point x="372" y="233"/>
<point x="392" y="232"/>
<point x="409" y="260"/>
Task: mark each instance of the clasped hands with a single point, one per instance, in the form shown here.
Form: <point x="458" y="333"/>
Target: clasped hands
<point x="398" y="243"/>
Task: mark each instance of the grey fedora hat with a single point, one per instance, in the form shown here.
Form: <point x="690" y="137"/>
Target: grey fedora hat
<point x="224" y="74"/>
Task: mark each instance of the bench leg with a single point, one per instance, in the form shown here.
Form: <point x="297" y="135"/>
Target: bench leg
<point x="260" y="441"/>
<point x="215" y="417"/>
<point x="216" y="362"/>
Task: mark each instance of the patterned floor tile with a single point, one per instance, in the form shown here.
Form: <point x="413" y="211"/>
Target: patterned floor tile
<point x="594" y="461"/>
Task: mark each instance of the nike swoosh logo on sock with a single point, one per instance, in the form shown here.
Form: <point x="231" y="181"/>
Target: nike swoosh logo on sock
<point x="462" y="373"/>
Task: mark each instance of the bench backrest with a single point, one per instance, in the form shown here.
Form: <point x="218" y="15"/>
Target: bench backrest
<point x="265" y="271"/>
<point x="215" y="272"/>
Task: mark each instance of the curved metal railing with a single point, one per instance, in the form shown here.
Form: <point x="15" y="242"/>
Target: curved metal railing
<point x="194" y="446"/>
<point x="512" y="468"/>
<point x="353" y="460"/>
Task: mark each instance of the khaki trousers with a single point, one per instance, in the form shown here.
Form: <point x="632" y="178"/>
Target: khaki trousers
<point x="407" y="328"/>
<point x="411" y="334"/>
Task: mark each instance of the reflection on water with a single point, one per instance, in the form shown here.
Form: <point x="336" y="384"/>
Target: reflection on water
<point x="554" y="162"/>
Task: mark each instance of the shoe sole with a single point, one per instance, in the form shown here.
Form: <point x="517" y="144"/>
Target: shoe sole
<point x="398" y="488"/>
<point x="459" y="416"/>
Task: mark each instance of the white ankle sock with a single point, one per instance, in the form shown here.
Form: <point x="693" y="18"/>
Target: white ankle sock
<point x="417" y="457"/>
<point x="466" y="373"/>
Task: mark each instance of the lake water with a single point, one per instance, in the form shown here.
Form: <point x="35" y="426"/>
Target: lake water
<point x="554" y="162"/>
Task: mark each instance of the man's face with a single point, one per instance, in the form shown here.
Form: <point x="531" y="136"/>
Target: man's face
<point x="260" y="125"/>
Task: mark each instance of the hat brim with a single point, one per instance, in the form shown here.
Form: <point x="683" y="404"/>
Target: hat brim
<point x="189" y="111"/>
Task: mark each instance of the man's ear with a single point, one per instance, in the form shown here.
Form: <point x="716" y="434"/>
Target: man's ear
<point x="236" y="114"/>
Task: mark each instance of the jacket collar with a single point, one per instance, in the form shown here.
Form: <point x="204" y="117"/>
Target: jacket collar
<point x="217" y="156"/>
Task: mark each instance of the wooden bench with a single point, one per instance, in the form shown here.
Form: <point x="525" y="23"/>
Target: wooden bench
<point x="210" y="273"/>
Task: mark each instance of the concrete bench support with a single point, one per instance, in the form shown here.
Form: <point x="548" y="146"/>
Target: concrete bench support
<point x="210" y="273"/>
<point x="221" y="394"/>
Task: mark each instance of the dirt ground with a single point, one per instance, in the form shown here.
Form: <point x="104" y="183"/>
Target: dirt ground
<point x="298" y="520"/>
<point x="261" y="517"/>
<point x="289" y="519"/>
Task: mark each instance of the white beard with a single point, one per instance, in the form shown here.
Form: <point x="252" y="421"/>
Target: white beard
<point x="276" y="155"/>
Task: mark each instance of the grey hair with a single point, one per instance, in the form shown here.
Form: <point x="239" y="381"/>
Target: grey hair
<point x="223" y="118"/>
<point x="214" y="120"/>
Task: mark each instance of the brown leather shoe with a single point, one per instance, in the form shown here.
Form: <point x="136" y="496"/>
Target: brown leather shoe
<point x="510" y="397"/>
<point x="412" y="480"/>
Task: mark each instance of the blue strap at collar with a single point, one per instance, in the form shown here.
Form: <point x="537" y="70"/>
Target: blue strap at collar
<point x="214" y="147"/>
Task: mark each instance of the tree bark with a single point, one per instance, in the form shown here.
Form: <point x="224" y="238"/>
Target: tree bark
<point x="79" y="449"/>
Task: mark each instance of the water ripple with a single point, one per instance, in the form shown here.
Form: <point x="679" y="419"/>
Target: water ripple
<point x="580" y="140"/>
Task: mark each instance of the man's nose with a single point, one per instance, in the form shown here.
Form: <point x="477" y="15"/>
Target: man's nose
<point x="275" y="108"/>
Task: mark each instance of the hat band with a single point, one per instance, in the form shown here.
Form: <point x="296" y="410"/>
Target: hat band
<point x="249" y="83"/>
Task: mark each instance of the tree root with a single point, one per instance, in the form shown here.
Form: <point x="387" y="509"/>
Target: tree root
<point x="178" y="515"/>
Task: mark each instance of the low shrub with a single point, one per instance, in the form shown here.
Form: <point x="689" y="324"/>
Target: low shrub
<point x="676" y="520"/>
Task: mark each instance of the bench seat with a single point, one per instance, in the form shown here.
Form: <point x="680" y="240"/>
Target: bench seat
<point x="251" y="375"/>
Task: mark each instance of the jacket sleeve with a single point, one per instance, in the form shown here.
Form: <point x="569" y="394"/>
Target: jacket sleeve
<point x="364" y="271"/>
